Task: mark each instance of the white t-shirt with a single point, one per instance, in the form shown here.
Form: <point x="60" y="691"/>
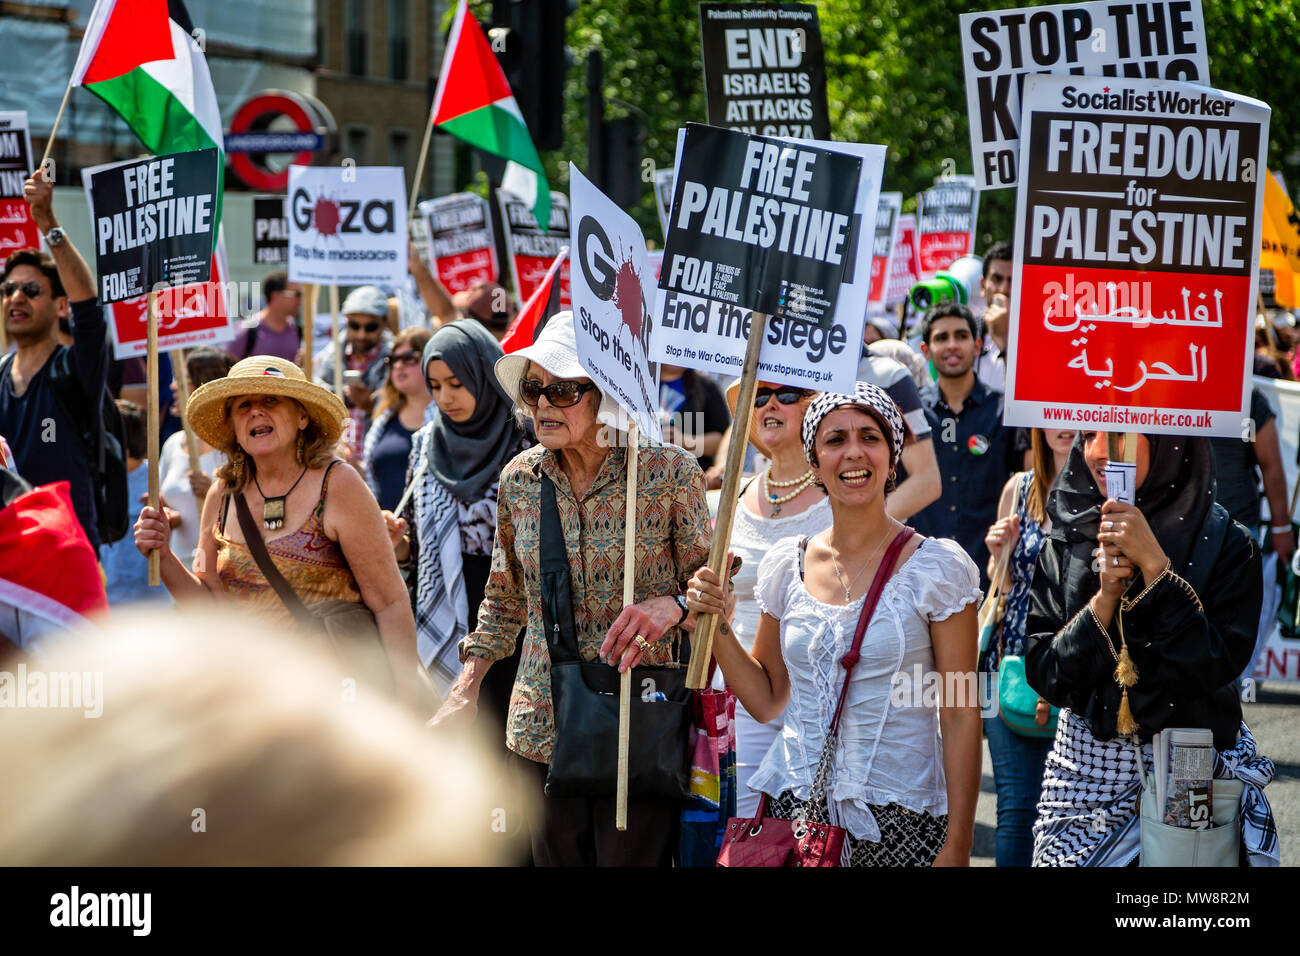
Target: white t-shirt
<point x="886" y="754"/>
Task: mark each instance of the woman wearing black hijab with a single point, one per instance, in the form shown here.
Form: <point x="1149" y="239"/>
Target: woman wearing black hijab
<point x="456" y="462"/>
<point x="1140" y="618"/>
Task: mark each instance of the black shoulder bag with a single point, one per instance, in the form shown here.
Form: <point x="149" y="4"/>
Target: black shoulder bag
<point x="585" y="696"/>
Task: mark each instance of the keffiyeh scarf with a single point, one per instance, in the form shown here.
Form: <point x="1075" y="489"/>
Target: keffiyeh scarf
<point x="1087" y="813"/>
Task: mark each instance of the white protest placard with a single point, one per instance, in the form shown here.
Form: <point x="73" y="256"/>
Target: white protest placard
<point x="613" y="297"/>
<point x="1137" y="255"/>
<point x="663" y="196"/>
<point x="708" y="333"/>
<point x="945" y="223"/>
<point x="882" y="247"/>
<point x="460" y="243"/>
<point x="532" y="250"/>
<point x="347" y="225"/>
<point x="17" y="230"/>
<point x="1156" y="39"/>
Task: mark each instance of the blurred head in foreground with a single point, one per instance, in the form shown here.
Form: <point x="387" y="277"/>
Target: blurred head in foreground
<point x="220" y="743"/>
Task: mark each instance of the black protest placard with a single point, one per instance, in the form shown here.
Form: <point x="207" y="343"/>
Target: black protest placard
<point x="17" y="230"/>
<point x="764" y="71"/>
<point x="945" y="228"/>
<point x="270" y="231"/>
<point x="762" y="224"/>
<point x="1155" y="39"/>
<point x="460" y="240"/>
<point x="153" y="223"/>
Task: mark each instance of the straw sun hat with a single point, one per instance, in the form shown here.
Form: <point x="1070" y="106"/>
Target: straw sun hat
<point x="732" y="392"/>
<point x="262" y="375"/>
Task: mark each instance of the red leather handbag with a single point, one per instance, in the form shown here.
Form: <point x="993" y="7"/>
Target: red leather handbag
<point x="771" y="841"/>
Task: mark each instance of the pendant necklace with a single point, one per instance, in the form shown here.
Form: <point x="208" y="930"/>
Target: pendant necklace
<point x="836" y="564"/>
<point x="273" y="509"/>
<point x="797" y="484"/>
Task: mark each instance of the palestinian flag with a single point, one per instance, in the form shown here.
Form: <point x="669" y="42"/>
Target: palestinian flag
<point x="474" y="104"/>
<point x="537" y="311"/>
<point x="138" y="57"/>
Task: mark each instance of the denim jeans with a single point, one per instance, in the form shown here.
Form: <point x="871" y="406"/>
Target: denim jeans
<point x="1018" y="777"/>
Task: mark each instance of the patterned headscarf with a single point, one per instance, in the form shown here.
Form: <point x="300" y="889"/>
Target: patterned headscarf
<point x="867" y="397"/>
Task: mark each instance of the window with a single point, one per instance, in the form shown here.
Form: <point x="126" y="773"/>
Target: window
<point x="357" y="39"/>
<point x="398" y="141"/>
<point x="398" y="42"/>
<point x="356" y="139"/>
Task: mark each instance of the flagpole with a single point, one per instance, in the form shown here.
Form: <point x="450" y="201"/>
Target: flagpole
<point x="152" y="422"/>
<point x="49" y="143"/>
<point x="419" y="172"/>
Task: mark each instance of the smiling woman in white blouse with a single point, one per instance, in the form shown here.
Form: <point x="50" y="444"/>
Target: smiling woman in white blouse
<point x="906" y="797"/>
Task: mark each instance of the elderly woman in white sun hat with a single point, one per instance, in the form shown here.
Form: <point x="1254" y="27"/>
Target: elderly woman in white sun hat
<point x="318" y="524"/>
<point x="589" y="477"/>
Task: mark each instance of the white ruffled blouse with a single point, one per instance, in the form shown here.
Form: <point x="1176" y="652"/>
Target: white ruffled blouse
<point x="887" y="753"/>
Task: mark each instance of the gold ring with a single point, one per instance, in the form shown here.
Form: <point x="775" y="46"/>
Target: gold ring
<point x="641" y="642"/>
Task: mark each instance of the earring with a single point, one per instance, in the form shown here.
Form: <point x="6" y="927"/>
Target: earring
<point x="302" y="449"/>
<point x="237" y="463"/>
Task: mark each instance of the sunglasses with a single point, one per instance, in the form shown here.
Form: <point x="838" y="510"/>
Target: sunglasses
<point x="786" y="396"/>
<point x="559" y="394"/>
<point x="406" y="358"/>
<point x="292" y="293"/>
<point x="368" y="327"/>
<point x="31" y="288"/>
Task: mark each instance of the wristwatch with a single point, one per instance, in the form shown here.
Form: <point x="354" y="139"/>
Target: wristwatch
<point x="681" y="603"/>
<point x="55" y="237"/>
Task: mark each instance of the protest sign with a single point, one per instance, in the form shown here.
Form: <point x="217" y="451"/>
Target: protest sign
<point x="708" y="332"/>
<point x="882" y="246"/>
<point x="761" y="223"/>
<point x="197" y="314"/>
<point x="945" y="223"/>
<point x="270" y="231"/>
<point x="461" y="251"/>
<point x="1137" y="250"/>
<point x="764" y="69"/>
<point x="347" y="225"/>
<point x="613" y="299"/>
<point x="1155" y="39"/>
<point x="153" y="223"/>
<point x="663" y="196"/>
<point x="904" y="268"/>
<point x="531" y="250"/>
<point x="17" y="230"/>
<point x="1279" y="256"/>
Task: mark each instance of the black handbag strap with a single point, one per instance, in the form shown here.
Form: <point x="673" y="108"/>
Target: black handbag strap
<point x="557" y="590"/>
<point x="257" y="547"/>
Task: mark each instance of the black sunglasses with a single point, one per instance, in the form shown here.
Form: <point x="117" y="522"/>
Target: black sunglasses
<point x="559" y="394"/>
<point x="786" y="396"/>
<point x="406" y="358"/>
<point x="369" y="326"/>
<point x="31" y="288"/>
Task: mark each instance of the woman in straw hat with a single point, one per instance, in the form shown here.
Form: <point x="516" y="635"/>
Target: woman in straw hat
<point x="782" y="500"/>
<point x="905" y="796"/>
<point x="320" y="525"/>
<point x="589" y="479"/>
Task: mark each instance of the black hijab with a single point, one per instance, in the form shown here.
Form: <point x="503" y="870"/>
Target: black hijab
<point x="1175" y="497"/>
<point x="466" y="457"/>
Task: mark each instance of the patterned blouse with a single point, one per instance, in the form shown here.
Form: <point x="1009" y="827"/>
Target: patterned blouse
<point x="308" y="559"/>
<point x="1024" y="558"/>
<point x="673" y="532"/>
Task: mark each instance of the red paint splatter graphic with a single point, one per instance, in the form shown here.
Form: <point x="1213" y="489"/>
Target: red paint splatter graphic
<point x="325" y="217"/>
<point x="630" y="300"/>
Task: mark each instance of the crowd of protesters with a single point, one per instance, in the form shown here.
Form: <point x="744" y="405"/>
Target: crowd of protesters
<point x="407" y="520"/>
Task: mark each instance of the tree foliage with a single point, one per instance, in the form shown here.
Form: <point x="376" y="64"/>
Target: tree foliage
<point x="894" y="76"/>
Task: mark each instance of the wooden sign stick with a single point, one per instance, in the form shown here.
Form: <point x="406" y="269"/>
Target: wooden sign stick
<point x="152" y="423"/>
<point x="340" y="330"/>
<point x="629" y="598"/>
<point x="308" y="326"/>
<point x="702" y="645"/>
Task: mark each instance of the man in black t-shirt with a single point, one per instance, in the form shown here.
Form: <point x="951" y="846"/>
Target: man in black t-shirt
<point x="46" y="442"/>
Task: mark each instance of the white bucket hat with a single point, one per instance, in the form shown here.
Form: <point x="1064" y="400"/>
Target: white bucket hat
<point x="555" y="350"/>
